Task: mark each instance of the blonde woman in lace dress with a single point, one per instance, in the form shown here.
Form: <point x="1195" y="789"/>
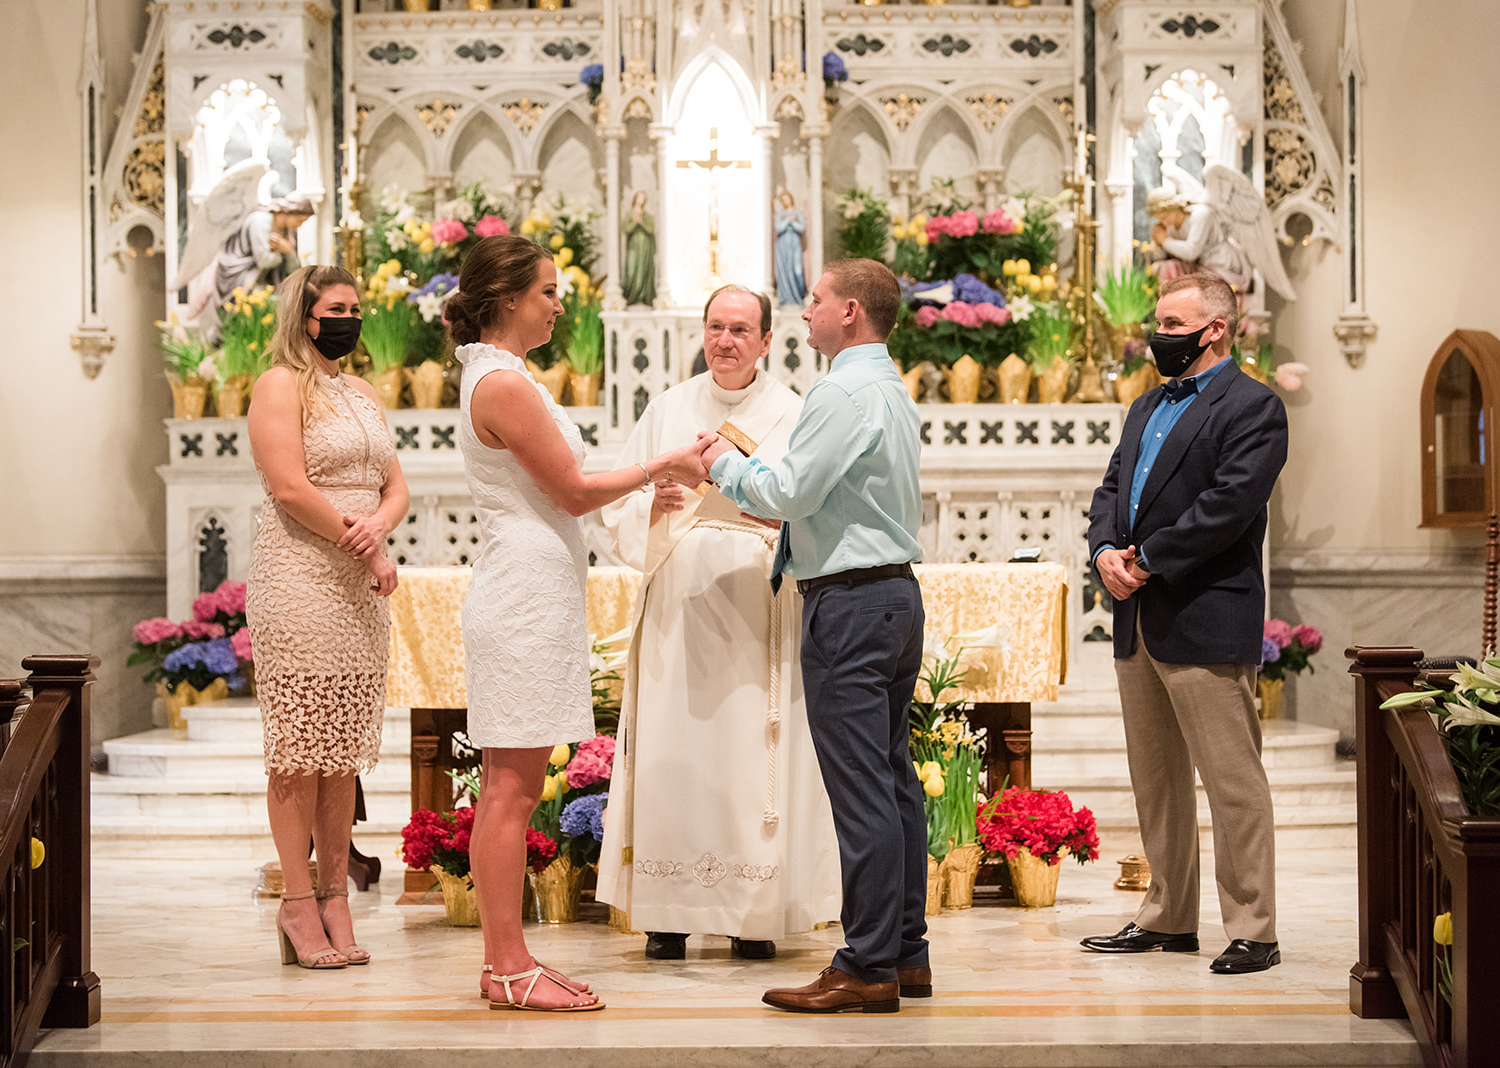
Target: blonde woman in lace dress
<point x="316" y="603"/>
<point x="525" y="643"/>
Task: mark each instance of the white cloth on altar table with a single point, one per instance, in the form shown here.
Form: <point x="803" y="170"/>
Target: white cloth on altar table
<point x="718" y="821"/>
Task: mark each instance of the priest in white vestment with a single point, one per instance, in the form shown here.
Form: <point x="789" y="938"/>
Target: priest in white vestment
<point x="718" y="821"/>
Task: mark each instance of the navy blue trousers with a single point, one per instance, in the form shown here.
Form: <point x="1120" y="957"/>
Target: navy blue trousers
<point x="861" y="653"/>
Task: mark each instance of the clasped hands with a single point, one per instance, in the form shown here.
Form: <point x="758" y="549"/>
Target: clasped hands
<point x="365" y="540"/>
<point x="688" y="466"/>
<point x="1121" y="571"/>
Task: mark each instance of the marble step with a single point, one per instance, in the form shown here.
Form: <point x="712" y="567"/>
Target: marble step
<point x="1064" y="755"/>
<point x="161" y="753"/>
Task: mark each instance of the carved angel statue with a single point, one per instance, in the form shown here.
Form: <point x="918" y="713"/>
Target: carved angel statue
<point x="1220" y="225"/>
<point x="235" y="241"/>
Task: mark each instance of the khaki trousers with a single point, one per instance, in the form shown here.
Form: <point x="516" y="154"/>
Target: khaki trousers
<point x="1184" y="716"/>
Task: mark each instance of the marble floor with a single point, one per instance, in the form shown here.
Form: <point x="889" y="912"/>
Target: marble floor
<point x="190" y="976"/>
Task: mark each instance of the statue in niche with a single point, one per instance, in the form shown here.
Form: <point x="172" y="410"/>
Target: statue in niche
<point x="1221" y="225"/>
<point x="790" y="251"/>
<point x="638" y="273"/>
<point x="237" y="242"/>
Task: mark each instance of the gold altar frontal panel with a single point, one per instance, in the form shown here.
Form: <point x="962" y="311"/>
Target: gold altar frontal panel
<point x="1027" y="600"/>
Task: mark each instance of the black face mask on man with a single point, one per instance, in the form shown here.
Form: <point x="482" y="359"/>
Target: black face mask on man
<point x="337" y="335"/>
<point x="1175" y="353"/>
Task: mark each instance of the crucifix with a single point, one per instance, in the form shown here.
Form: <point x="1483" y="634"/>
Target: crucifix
<point x="711" y="164"/>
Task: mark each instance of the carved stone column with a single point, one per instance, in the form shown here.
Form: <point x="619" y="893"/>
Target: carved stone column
<point x="989" y="186"/>
<point x="613" y="135"/>
<point x="903" y="185"/>
<point x="660" y="132"/>
<point x="814" y="133"/>
<point x="528" y="184"/>
<point x="761" y="162"/>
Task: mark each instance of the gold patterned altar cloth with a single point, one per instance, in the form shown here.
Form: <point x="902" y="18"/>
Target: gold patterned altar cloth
<point x="1027" y="600"/>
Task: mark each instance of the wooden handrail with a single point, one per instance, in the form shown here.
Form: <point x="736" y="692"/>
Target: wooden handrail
<point x="1421" y="853"/>
<point x="44" y="911"/>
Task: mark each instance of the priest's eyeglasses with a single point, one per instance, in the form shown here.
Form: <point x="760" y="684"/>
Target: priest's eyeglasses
<point x="739" y="333"/>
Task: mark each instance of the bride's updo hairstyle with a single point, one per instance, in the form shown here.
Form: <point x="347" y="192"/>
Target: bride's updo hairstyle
<point x="498" y="269"/>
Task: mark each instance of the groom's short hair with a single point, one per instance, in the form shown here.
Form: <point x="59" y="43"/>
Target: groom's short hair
<point x="872" y="284"/>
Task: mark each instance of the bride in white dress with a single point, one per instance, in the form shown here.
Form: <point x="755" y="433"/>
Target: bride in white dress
<point x="525" y="644"/>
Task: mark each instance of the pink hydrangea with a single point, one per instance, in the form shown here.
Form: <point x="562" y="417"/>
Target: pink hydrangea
<point x="205" y="607"/>
<point x="988" y="313"/>
<point x="1308" y="636"/>
<point x="997" y="222"/>
<point x="198" y="629"/>
<point x="937" y="226"/>
<point x="961" y="313"/>
<point x="231" y="597"/>
<point x="963" y="224"/>
<point x="592" y="762"/>
<point x="151" y="631"/>
<point x="1279" y="632"/>
<point x="239" y="641"/>
<point x="449" y="231"/>
<point x="927" y="315"/>
<point x="491" y="225"/>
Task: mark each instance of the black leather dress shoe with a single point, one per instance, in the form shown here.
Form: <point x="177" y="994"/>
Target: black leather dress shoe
<point x="1133" y="939"/>
<point x="1244" y="956"/>
<point x="752" y="948"/>
<point x="663" y="945"/>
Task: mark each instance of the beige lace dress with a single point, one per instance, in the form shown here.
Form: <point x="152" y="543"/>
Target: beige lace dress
<point x="320" y="633"/>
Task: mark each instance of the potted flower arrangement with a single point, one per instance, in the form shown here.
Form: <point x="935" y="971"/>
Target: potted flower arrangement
<point x="569" y="824"/>
<point x="866" y="225"/>
<point x="189" y="365"/>
<point x="962" y="324"/>
<point x="439" y="841"/>
<point x="1034" y="830"/>
<point x="569" y="233"/>
<point x="584" y="351"/>
<point x="1284" y="650"/>
<point x="246" y="323"/>
<point x="834" y="71"/>
<point x="426" y="378"/>
<point x="948" y="759"/>
<point x="1050" y="350"/>
<point x="592" y="77"/>
<point x="202" y="659"/>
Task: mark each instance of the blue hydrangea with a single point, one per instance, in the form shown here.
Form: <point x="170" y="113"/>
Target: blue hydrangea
<point x="592" y="75"/>
<point x="439" y="284"/>
<point x="184" y="657"/>
<point x="971" y="290"/>
<point x="584" y="817"/>
<point x="833" y="68"/>
<point x="1270" y="652"/>
<point x="219" y="657"/>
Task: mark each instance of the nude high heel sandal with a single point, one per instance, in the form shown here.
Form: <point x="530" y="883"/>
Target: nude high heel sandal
<point x="352" y="953"/>
<point x="322" y="960"/>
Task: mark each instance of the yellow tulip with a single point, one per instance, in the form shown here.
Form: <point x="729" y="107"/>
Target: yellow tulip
<point x="1442" y="926"/>
<point x="549" y="788"/>
<point x="1033" y="283"/>
<point x="917" y="768"/>
<point x="556" y="242"/>
<point x="427" y="245"/>
<point x="919" y="221"/>
<point x="922" y="236"/>
<point x="1023" y="266"/>
<point x="38" y="853"/>
<point x="564" y="256"/>
<point x="562" y="782"/>
<point x="931" y="768"/>
<point x="933" y="786"/>
<point x="1049" y="283"/>
<point x="1008" y="267"/>
<point x="561" y="754"/>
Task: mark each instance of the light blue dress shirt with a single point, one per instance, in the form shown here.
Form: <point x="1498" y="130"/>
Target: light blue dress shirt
<point x="1168" y="411"/>
<point x="848" y="486"/>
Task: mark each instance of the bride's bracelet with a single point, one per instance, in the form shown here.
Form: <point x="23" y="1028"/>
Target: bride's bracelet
<point x="645" y="486"/>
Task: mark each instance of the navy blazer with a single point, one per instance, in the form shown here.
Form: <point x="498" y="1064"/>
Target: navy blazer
<point x="1200" y="525"/>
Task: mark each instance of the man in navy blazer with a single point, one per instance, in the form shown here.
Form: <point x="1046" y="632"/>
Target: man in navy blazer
<point x="1175" y="534"/>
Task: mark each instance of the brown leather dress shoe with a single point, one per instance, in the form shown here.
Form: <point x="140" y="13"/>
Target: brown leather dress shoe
<point x="915" y="982"/>
<point x="836" y="991"/>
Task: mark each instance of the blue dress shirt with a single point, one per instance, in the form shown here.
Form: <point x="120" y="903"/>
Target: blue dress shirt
<point x="848" y="487"/>
<point x="1169" y="409"/>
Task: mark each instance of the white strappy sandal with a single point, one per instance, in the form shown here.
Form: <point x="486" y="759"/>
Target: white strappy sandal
<point x="533" y="974"/>
<point x="552" y="973"/>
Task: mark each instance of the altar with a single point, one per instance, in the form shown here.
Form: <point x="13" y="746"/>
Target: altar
<point x="1024" y="605"/>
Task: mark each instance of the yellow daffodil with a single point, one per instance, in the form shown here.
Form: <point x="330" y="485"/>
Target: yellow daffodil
<point x="39" y="853"/>
<point x="561" y="754"/>
<point x="237" y="292"/>
<point x="556" y="242"/>
<point x="549" y="788"/>
<point x="268" y="319"/>
<point x="933" y="786"/>
<point x="1442" y="926"/>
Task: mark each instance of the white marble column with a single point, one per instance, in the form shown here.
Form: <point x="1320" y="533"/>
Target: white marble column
<point x="814" y="135"/>
<point x="761" y="162"/>
<point x="528" y="184"/>
<point x="613" y="296"/>
<point x="661" y="132"/>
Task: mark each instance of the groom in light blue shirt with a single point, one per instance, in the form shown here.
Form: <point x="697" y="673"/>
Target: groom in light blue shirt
<point x="848" y="496"/>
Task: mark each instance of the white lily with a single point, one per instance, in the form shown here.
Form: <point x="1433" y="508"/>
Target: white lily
<point x="942" y="294"/>
<point x="1463" y="712"/>
<point x="430" y="305"/>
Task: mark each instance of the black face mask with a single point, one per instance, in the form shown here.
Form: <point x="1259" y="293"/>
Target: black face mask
<point x="337" y="335"/>
<point x="1175" y="353"/>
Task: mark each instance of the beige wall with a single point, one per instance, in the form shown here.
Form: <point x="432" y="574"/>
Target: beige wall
<point x="77" y="457"/>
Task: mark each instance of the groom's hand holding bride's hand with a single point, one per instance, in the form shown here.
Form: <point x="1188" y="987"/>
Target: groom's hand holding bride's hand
<point x="717" y="446"/>
<point x="686" y="465"/>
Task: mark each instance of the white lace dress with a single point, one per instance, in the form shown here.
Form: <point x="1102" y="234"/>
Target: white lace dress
<point x="526" y="649"/>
